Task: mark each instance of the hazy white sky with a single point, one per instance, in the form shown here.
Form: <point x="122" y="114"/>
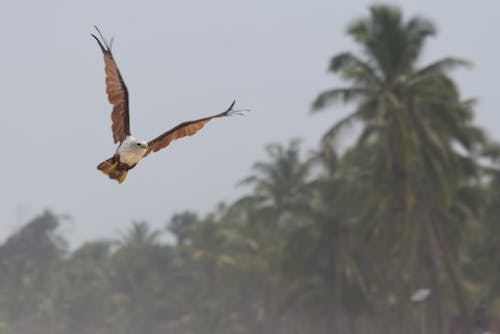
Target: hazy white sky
<point x="182" y="60"/>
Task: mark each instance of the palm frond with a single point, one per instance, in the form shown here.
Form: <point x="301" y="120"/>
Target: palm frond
<point x="439" y="67"/>
<point x="344" y="95"/>
<point x="344" y="61"/>
<point x="347" y="121"/>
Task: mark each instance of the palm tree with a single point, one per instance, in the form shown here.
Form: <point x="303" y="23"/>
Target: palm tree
<point x="412" y="121"/>
<point x="321" y="262"/>
<point x="283" y="182"/>
<point x="181" y="225"/>
<point x="139" y="233"/>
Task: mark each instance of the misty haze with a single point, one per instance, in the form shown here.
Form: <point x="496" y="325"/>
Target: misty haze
<point x="359" y="193"/>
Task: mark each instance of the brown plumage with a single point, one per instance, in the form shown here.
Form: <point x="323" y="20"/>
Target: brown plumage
<point x="114" y="169"/>
<point x="130" y="150"/>
<point x="184" y="129"/>
<point x="117" y="93"/>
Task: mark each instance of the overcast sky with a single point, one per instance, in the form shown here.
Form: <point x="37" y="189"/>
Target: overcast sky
<point x="183" y="60"/>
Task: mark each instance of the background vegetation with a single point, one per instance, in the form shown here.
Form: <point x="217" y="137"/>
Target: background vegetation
<point x="328" y="242"/>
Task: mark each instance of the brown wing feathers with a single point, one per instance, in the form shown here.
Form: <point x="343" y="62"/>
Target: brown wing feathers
<point x="186" y="129"/>
<point x="118" y="96"/>
<point x="117" y="93"/>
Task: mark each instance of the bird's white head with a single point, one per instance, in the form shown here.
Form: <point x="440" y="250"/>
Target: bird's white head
<point x="140" y="144"/>
<point x="132" y="150"/>
<point x="133" y="144"/>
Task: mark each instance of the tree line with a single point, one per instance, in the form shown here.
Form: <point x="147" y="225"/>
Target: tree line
<point x="326" y="242"/>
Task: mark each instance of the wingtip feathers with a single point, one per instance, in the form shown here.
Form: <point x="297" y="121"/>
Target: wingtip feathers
<point x="105" y="47"/>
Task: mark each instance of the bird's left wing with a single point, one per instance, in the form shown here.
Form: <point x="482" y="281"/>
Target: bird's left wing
<point x="186" y="129"/>
<point x="117" y="92"/>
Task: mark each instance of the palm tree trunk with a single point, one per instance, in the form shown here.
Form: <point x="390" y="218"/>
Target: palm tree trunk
<point x="454" y="276"/>
<point x="449" y="264"/>
<point x="436" y="289"/>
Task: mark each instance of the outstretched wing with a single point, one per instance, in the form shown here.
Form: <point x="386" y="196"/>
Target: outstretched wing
<point x="117" y="92"/>
<point x="186" y="129"/>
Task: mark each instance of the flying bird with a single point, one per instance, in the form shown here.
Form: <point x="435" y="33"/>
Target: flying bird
<point x="131" y="150"/>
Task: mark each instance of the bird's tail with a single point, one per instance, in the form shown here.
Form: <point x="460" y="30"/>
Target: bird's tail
<point x="112" y="168"/>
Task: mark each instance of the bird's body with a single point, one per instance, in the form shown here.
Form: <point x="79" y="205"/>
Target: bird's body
<point x="131" y="150"/>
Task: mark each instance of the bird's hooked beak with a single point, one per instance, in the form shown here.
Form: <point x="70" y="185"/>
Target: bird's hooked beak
<point x="144" y="146"/>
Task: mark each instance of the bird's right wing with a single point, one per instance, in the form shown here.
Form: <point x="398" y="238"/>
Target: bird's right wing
<point x="117" y="93"/>
<point x="186" y="129"/>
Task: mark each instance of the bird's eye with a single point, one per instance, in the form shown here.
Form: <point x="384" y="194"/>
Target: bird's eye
<point x="138" y="144"/>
